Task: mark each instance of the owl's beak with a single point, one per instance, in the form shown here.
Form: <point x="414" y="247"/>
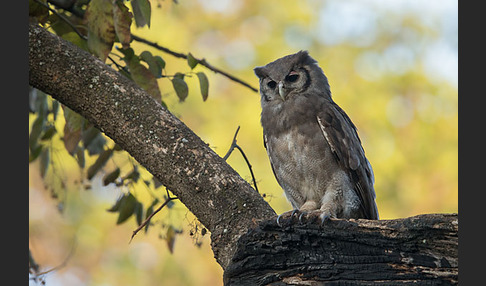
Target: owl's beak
<point x="282" y="91"/>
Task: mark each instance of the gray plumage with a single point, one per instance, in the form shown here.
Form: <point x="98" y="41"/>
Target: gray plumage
<point x="313" y="147"/>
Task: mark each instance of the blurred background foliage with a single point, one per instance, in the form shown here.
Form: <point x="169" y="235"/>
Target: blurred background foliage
<point x="392" y="66"/>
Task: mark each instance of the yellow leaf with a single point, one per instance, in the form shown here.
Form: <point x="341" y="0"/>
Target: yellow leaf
<point x="101" y="29"/>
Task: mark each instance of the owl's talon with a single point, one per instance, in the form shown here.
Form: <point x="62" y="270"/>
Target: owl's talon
<point x="304" y="213"/>
<point x="278" y="220"/>
<point x="292" y="213"/>
<point x="324" y="218"/>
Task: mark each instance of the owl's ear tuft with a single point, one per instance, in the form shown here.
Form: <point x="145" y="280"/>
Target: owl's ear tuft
<point x="260" y="72"/>
<point x="303" y="53"/>
<point x="304" y="57"/>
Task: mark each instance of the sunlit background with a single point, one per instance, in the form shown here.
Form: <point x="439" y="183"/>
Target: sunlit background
<point x="392" y="66"/>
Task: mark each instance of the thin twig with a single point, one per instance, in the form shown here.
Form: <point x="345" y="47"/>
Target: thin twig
<point x="235" y="145"/>
<point x="117" y="65"/>
<point x="63" y="263"/>
<point x="157" y="46"/>
<point x="200" y="61"/>
<point x="147" y="220"/>
<point x="249" y="167"/>
<point x="64" y="19"/>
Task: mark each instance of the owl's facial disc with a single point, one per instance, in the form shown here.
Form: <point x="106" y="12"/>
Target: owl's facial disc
<point x="282" y="91"/>
<point x="290" y="79"/>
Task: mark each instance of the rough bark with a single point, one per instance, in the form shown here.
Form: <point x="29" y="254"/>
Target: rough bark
<point x="225" y="203"/>
<point x="420" y="250"/>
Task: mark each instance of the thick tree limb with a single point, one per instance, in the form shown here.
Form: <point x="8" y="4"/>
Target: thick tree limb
<point x="221" y="200"/>
<point x="420" y="250"/>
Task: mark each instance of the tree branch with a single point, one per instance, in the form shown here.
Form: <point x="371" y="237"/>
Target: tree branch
<point x="69" y="7"/>
<point x="223" y="201"/>
<point x="63" y="18"/>
<point x="199" y="61"/>
<point x="419" y="250"/>
<point x="235" y="145"/>
<point x="147" y="220"/>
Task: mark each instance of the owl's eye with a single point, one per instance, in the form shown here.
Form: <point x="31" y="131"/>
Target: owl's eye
<point x="292" y="77"/>
<point x="272" y="84"/>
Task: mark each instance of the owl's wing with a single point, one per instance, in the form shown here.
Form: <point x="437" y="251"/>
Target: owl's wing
<point x="342" y="136"/>
<point x="267" y="148"/>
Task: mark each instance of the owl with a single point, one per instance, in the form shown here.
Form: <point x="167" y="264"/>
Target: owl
<point x="313" y="146"/>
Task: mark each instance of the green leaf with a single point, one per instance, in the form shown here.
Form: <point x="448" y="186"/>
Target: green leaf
<point x="160" y="62"/>
<point x="117" y="205"/>
<point x="101" y="29"/>
<point x="44" y="161"/>
<point x="49" y="131"/>
<point x="203" y="84"/>
<point x="99" y="163"/>
<point x="180" y="87"/>
<point x="36" y="131"/>
<point x="149" y="211"/>
<point x="138" y="211"/>
<point x="157" y="182"/>
<point x="126" y="209"/>
<point x="170" y="204"/>
<point x="93" y="140"/>
<point x="72" y="129"/>
<point x="111" y="177"/>
<point x="60" y="26"/>
<point x="128" y="53"/>
<point x="71" y="139"/>
<point x="154" y="66"/>
<point x="191" y="61"/>
<point x="134" y="175"/>
<point x="38" y="11"/>
<point x="38" y="101"/>
<point x="122" y="19"/>
<point x="145" y="79"/>
<point x="141" y="10"/>
<point x="55" y="108"/>
<point x="74" y="38"/>
<point x="73" y="119"/>
<point x="170" y="238"/>
<point x="141" y="75"/>
<point x="33" y="154"/>
<point x="117" y="147"/>
<point x="80" y="157"/>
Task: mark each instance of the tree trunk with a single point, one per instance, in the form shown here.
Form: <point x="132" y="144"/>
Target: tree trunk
<point x="420" y="250"/>
<point x="221" y="200"/>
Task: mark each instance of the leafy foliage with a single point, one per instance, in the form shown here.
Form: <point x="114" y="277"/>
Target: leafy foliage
<point x="203" y="84"/>
<point x="96" y="26"/>
<point x="180" y="86"/>
<point x="144" y="77"/>
<point x="142" y="11"/>
<point x="101" y="27"/>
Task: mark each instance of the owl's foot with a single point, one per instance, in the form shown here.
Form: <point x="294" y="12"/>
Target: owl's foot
<point x="292" y="214"/>
<point x="312" y="216"/>
<point x="324" y="217"/>
<point x="308" y="216"/>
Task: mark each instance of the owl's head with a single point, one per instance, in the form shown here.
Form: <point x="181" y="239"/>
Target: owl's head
<point x="292" y="75"/>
